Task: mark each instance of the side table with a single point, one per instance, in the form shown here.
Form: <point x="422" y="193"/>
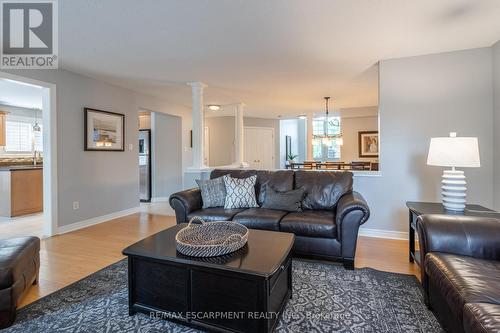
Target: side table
<point x="415" y="209"/>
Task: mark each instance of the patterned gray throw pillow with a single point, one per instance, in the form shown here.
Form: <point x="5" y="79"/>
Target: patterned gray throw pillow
<point x="240" y="193"/>
<point x="213" y="192"/>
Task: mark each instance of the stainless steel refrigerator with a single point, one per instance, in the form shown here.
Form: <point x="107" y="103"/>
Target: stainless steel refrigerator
<point x="145" y="165"/>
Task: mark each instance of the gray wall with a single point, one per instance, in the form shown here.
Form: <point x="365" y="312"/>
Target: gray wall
<point x="296" y="129"/>
<point x="166" y="133"/>
<point x="350" y="127"/>
<point x="103" y="182"/>
<point x="222" y="137"/>
<point x="221" y="143"/>
<point x="496" y="115"/>
<point x="302" y="135"/>
<point x="423" y="97"/>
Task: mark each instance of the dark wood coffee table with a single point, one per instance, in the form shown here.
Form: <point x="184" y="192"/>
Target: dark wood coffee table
<point x="245" y="291"/>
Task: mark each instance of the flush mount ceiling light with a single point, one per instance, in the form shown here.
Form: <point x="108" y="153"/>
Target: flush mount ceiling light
<point x="214" y="107"/>
<point x="302" y="116"/>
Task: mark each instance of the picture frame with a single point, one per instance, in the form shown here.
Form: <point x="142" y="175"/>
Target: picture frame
<point x="103" y="130"/>
<point x="368" y="144"/>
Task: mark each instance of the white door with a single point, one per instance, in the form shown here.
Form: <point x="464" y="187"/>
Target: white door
<point x="259" y="147"/>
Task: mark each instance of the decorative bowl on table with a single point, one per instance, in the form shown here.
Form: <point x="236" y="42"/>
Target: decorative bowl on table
<point x="210" y="239"/>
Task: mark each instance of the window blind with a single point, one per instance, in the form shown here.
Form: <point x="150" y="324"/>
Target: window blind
<point x="20" y="136"/>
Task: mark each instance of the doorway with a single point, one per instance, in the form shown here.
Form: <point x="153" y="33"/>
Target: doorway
<point x="29" y="150"/>
<point x="259" y="147"/>
<point x="159" y="157"/>
<point x="145" y="156"/>
<point x="145" y="165"/>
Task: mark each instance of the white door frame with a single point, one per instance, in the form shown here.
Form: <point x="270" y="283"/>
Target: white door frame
<point x="206" y="151"/>
<point x="274" y="143"/>
<point x="49" y="123"/>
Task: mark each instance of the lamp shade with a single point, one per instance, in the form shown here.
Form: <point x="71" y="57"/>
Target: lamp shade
<point x="454" y="152"/>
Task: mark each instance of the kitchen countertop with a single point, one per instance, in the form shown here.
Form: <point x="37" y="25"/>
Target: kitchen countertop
<point x="20" y="167"/>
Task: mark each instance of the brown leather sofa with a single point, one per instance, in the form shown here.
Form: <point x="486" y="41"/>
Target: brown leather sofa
<point x="327" y="228"/>
<point x="461" y="275"/>
<point x="19" y="265"/>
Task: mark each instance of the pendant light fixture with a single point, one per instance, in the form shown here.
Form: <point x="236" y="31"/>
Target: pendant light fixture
<point x="36" y="127"/>
<point x="326" y="138"/>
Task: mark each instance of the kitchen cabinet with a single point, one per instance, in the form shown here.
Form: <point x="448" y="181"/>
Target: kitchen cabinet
<point x="21" y="190"/>
<point x="3" y="115"/>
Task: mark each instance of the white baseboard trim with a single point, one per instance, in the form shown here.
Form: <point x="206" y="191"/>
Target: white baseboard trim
<point x="379" y="233"/>
<point x="159" y="199"/>
<point x="96" y="220"/>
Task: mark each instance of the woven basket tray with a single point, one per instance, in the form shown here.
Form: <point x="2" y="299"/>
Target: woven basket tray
<point x="210" y="239"/>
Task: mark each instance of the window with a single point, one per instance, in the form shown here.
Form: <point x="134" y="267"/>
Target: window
<point x="330" y="150"/>
<point x="20" y="137"/>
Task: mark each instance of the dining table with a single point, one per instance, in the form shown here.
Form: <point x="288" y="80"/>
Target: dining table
<point x="359" y="166"/>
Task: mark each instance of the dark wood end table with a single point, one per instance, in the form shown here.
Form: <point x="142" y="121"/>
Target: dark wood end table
<point x="416" y="209"/>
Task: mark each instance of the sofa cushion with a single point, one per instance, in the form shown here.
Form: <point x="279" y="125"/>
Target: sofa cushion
<point x="18" y="259"/>
<point x="260" y="218"/>
<point x="289" y="201"/>
<point x="240" y="193"/>
<point x="323" y="188"/>
<point x="463" y="279"/>
<point x="310" y="223"/>
<point x="280" y="180"/>
<point x="481" y="317"/>
<point x="213" y="192"/>
<point x="215" y="214"/>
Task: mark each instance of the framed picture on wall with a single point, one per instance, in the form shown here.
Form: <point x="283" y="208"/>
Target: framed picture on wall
<point x="104" y="130"/>
<point x="368" y="144"/>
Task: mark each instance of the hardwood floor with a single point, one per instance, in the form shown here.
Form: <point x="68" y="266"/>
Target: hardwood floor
<point x="388" y="255"/>
<point x="70" y="257"/>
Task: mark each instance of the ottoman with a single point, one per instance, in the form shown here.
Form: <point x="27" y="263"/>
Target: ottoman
<point x="19" y="265"/>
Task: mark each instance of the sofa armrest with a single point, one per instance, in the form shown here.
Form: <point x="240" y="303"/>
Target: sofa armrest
<point x="352" y="211"/>
<point x="185" y="202"/>
<point x="352" y="201"/>
<point x="463" y="235"/>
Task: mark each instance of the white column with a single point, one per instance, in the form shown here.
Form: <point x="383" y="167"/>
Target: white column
<point x="198" y="124"/>
<point x="239" y="137"/>
<point x="310" y="136"/>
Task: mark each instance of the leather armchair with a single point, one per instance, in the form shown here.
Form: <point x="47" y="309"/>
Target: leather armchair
<point x="461" y="235"/>
<point x="460" y="270"/>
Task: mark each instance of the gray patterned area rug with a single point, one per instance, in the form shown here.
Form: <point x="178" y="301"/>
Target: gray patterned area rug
<point x="326" y="298"/>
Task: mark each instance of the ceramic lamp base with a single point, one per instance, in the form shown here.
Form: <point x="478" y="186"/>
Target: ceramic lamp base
<point x="453" y="190"/>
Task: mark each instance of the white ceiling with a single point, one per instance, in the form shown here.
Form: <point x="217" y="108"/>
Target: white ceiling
<point x="279" y="57"/>
<point x="13" y="93"/>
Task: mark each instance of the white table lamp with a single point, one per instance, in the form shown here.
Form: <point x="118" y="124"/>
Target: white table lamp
<point x="453" y="151"/>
